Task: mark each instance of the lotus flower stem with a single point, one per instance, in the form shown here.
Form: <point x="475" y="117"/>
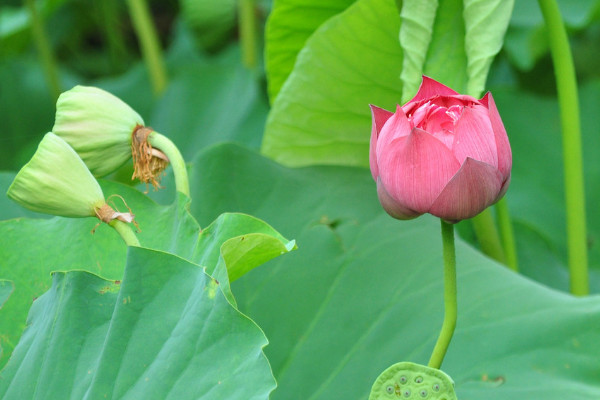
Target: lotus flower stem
<point x="124" y="230"/>
<point x="566" y="83"/>
<point x="247" y="24"/>
<point x="450" y="297"/>
<point x="176" y="160"/>
<point x="45" y="50"/>
<point x="507" y="235"/>
<point x="138" y="9"/>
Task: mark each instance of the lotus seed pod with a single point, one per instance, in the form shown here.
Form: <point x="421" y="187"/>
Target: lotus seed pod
<point x="98" y="126"/>
<point x="406" y="380"/>
<point x="56" y="181"/>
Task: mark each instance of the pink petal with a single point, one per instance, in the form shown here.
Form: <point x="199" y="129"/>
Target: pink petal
<point x="414" y="169"/>
<point x="476" y="186"/>
<point x="395" y="127"/>
<point x="429" y="88"/>
<point x="474" y="136"/>
<point x="502" y="144"/>
<point x="391" y="206"/>
<point x="379" y="117"/>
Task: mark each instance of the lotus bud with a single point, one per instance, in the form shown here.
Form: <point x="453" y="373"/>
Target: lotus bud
<point x="56" y="181"/>
<point x="104" y="131"/>
<point x="441" y="153"/>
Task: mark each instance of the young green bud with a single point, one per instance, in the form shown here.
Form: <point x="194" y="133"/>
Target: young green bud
<point x="56" y="181"/>
<point x="98" y="125"/>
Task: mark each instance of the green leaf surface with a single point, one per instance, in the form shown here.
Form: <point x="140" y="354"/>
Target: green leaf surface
<point x="416" y="30"/>
<point x="321" y="115"/>
<point x="485" y="26"/>
<point x="6" y="288"/>
<point x="33" y="248"/>
<point x="290" y="24"/>
<point x="167" y="331"/>
<point x="364" y="291"/>
<point x="446" y="59"/>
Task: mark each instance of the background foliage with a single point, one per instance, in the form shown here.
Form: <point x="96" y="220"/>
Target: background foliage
<point x="362" y="291"/>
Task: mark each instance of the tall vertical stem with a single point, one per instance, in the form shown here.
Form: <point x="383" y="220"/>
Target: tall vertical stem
<point x="487" y="235"/>
<point x="450" y="297"/>
<point x="568" y="101"/>
<point x="151" y="50"/>
<point x="44" y="49"/>
<point x="247" y="24"/>
<point x="507" y="235"/>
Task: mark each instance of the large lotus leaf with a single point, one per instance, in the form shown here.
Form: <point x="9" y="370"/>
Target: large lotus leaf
<point x="321" y="114"/>
<point x="290" y="24"/>
<point x="415" y="35"/>
<point x="165" y="332"/>
<point x="6" y="288"/>
<point x="447" y="58"/>
<point x="364" y="291"/>
<point x="33" y="248"/>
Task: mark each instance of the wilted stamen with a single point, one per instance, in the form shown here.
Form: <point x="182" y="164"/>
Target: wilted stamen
<point x="148" y="162"/>
<point x="107" y="214"/>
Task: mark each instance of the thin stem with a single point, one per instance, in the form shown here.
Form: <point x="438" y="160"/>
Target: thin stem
<point x="568" y="101"/>
<point x="487" y="235"/>
<point x="125" y="231"/>
<point x="247" y="23"/>
<point x="138" y="9"/>
<point x="450" y="301"/>
<point x="507" y="235"/>
<point x="175" y="159"/>
<point x="44" y="49"/>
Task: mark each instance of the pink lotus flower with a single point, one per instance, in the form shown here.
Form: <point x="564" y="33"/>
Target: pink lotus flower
<point x="441" y="153"/>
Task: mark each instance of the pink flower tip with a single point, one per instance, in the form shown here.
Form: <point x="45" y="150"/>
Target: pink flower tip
<point x="441" y="153"/>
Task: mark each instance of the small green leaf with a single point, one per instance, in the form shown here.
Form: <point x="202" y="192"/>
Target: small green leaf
<point x="415" y="35"/>
<point x="290" y="24"/>
<point x="165" y="332"/>
<point x="245" y="243"/>
<point x="485" y="25"/>
<point x="321" y="115"/>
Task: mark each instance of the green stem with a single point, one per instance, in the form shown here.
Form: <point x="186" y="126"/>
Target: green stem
<point x="568" y="101"/>
<point x="176" y="160"/>
<point x="247" y="23"/>
<point x="507" y="234"/>
<point x="140" y="14"/>
<point x="450" y="301"/>
<point x="487" y="235"/>
<point x="45" y="50"/>
<point x="125" y="231"/>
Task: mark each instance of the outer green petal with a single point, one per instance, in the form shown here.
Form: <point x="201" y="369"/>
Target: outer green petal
<point x="98" y="126"/>
<point x="56" y="181"/>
